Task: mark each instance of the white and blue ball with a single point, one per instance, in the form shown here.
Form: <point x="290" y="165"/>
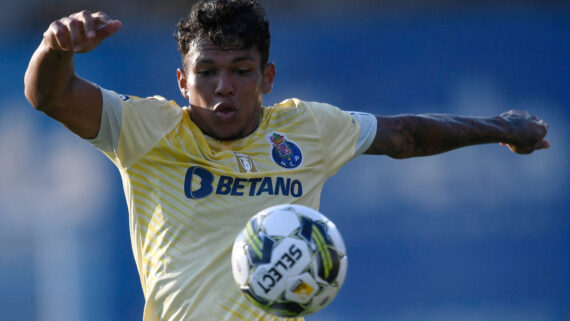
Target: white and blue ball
<point x="290" y="260"/>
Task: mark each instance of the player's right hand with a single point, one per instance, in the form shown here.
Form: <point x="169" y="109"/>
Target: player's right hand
<point x="80" y="32"/>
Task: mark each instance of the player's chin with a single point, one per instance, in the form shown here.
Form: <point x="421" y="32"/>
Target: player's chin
<point x="228" y="132"/>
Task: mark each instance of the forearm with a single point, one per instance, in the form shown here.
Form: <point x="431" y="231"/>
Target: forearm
<point x="48" y="77"/>
<point x="422" y="135"/>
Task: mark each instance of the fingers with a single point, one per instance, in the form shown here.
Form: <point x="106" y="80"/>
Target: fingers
<point x="544" y="144"/>
<point x="543" y="124"/>
<point x="526" y="132"/>
<point x="81" y="25"/>
<point x="107" y="29"/>
<point x="57" y="36"/>
<point x="81" y="31"/>
<point x="76" y="31"/>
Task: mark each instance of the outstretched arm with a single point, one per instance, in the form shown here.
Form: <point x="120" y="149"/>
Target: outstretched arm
<point x="422" y="135"/>
<point x="51" y="84"/>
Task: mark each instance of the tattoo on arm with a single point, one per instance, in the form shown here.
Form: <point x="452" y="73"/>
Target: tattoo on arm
<point x="422" y="135"/>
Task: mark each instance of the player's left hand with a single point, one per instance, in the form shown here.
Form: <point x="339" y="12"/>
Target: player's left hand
<point x="526" y="132"/>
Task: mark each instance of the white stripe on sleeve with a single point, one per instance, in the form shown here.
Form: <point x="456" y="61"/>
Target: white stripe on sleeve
<point x="111" y="116"/>
<point x="368" y="126"/>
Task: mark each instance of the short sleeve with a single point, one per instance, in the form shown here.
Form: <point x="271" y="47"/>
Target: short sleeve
<point x="131" y="126"/>
<point x="341" y="135"/>
<point x="368" y="127"/>
<point x="110" y="127"/>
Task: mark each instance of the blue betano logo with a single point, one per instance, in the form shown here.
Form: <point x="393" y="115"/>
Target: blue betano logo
<point x="236" y="186"/>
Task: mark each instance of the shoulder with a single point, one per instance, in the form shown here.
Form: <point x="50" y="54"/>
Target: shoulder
<point x="295" y="103"/>
<point x="154" y="108"/>
<point x="288" y="105"/>
<point x="295" y="106"/>
<point x="145" y="102"/>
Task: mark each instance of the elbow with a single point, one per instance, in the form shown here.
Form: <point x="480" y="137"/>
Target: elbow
<point x="38" y="100"/>
<point x="42" y="103"/>
<point x="31" y="96"/>
<point x="31" y="93"/>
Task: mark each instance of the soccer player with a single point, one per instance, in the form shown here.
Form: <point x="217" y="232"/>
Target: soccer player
<point x="194" y="175"/>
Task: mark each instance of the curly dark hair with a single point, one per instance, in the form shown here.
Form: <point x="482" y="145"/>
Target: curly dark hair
<point x="226" y="22"/>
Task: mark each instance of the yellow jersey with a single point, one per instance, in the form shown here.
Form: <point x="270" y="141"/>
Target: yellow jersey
<point x="189" y="195"/>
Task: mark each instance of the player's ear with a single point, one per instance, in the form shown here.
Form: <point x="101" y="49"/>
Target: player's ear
<point x="181" y="76"/>
<point x="268" y="78"/>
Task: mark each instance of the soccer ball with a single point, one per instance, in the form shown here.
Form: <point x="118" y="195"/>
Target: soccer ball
<point x="290" y="260"/>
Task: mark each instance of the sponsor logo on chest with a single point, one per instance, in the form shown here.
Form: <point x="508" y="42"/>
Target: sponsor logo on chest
<point x="201" y="182"/>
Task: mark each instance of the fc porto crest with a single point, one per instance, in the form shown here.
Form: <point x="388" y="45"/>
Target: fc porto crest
<point x="284" y="152"/>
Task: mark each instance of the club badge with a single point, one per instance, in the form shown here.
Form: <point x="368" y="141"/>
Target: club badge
<point x="284" y="153"/>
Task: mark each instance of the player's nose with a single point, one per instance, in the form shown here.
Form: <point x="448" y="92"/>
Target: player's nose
<point x="224" y="85"/>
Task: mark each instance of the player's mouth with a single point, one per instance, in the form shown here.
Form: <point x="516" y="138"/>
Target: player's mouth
<point x="225" y="110"/>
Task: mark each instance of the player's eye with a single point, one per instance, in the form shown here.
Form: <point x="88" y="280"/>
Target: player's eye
<point x="243" y="71"/>
<point x="205" y="72"/>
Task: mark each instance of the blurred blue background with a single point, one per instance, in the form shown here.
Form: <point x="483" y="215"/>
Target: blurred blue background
<point x="474" y="234"/>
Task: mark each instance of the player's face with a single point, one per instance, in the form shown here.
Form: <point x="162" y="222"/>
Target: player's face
<point x="225" y="87"/>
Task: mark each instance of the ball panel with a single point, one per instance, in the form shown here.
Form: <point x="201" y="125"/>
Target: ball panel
<point x="259" y="254"/>
<point x="323" y="298"/>
<point x="288" y="309"/>
<point x="328" y="263"/>
<point x="343" y="267"/>
<point x="308" y="212"/>
<point x="267" y="282"/>
<point x="336" y="238"/>
<point x="280" y="223"/>
<point x="240" y="263"/>
<point x="301" y="288"/>
<point x="259" y="302"/>
<point x="289" y="258"/>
